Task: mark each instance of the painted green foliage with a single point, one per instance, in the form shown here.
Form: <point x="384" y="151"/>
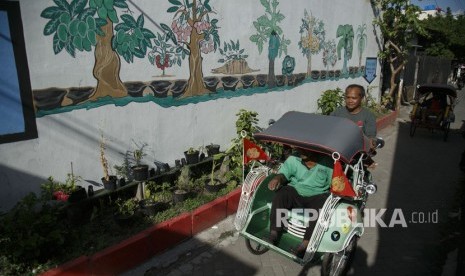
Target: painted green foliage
<point x="269" y="31"/>
<point x="346" y="43"/>
<point x="288" y="65"/>
<point x="131" y="38"/>
<point x="361" y="41"/>
<point x="76" y="24"/>
<point x="329" y="53"/>
<point x="312" y="37"/>
<point x="231" y="51"/>
<point x="166" y="53"/>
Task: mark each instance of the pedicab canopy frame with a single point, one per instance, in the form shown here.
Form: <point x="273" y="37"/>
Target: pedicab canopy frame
<point x="436" y="87"/>
<point x="325" y="134"/>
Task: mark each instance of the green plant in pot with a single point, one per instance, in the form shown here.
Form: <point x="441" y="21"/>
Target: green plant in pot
<point x="109" y="181"/>
<point x="156" y="198"/>
<point x="126" y="211"/>
<point x="124" y="171"/>
<point x="192" y="156"/>
<point x="183" y="185"/>
<point x="140" y="171"/>
<point x="214" y="183"/>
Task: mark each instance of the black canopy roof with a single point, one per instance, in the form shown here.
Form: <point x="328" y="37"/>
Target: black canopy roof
<point x="326" y="134"/>
<point x="436" y="87"/>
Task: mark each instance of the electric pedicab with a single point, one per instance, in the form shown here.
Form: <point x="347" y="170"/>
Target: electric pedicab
<point x="340" y="221"/>
<point x="424" y="115"/>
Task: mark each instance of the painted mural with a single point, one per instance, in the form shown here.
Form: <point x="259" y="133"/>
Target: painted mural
<point x="116" y="31"/>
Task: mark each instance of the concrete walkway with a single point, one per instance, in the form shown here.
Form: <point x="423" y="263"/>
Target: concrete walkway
<point x="417" y="178"/>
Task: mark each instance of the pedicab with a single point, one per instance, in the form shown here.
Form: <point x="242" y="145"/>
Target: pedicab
<point x="340" y="221"/>
<point x="433" y="108"/>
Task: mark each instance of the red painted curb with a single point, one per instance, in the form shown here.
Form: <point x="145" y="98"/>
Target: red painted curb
<point x="170" y="233"/>
<point x="123" y="256"/>
<point x="233" y="201"/>
<point x="386" y="120"/>
<point x="79" y="266"/>
<point x="208" y="215"/>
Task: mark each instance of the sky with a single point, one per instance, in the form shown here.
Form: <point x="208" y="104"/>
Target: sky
<point x="457" y="6"/>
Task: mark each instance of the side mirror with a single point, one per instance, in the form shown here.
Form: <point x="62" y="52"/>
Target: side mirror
<point x="271" y="121"/>
<point x="379" y="142"/>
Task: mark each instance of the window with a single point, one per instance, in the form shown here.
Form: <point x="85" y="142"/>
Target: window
<point x="17" y="119"/>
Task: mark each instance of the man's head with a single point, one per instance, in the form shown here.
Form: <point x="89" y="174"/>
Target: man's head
<point x="354" y="95"/>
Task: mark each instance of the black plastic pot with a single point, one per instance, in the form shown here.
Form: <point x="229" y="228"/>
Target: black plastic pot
<point x="111" y="183"/>
<point x="140" y="172"/>
<point x="180" y="196"/>
<point x="192" y="158"/>
<point x="78" y="195"/>
<point x="215" y="187"/>
<point x="212" y="149"/>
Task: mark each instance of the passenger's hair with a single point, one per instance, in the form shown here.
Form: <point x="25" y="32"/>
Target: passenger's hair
<point x="360" y="88"/>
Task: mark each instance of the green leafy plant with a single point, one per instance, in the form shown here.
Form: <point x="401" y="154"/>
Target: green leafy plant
<point x="184" y="181"/>
<point x="330" y="100"/>
<point x="32" y="234"/>
<point x="247" y="121"/>
<point x="192" y="150"/>
<point x="217" y="157"/>
<point x="139" y="153"/>
<point x="163" y="193"/>
<point x="126" y="207"/>
<point x="124" y="170"/>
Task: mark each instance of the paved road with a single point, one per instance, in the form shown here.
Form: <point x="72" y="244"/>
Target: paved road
<point x="417" y="178"/>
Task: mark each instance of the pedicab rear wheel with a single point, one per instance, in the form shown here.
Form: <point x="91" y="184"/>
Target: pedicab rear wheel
<point x="446" y="131"/>
<point x="337" y="264"/>
<point x="413" y="127"/>
<point x="255" y="247"/>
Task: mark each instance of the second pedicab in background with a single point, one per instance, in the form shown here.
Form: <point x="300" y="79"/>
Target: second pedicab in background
<point x="433" y="108"/>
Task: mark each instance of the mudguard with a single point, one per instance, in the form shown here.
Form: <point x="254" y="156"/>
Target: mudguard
<point x="346" y="221"/>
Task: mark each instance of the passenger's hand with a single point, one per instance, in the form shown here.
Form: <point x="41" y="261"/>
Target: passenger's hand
<point x="274" y="183"/>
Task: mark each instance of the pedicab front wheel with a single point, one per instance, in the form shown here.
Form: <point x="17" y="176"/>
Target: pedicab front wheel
<point x="255" y="247"/>
<point x="336" y="264"/>
<point x="413" y="127"/>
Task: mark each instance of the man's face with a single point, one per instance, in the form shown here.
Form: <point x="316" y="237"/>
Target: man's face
<point x="353" y="100"/>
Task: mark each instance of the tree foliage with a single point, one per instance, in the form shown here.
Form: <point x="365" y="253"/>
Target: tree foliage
<point x="445" y="36"/>
<point x="398" y="22"/>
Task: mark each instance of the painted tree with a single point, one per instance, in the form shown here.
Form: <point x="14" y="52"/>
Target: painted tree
<point x="166" y="53"/>
<point x="197" y="33"/>
<point x="398" y="23"/>
<point x="312" y="38"/>
<point x="361" y="41"/>
<point x="346" y="42"/>
<point x="268" y="31"/>
<point x="329" y="53"/>
<point x="80" y="25"/>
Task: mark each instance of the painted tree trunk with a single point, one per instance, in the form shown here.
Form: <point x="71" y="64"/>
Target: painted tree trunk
<point x="107" y="67"/>
<point x="195" y="85"/>
<point x="309" y="65"/>
<point x="271" y="76"/>
<point x="344" y="67"/>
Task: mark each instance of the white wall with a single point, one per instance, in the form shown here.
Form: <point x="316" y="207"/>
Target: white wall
<point x="74" y="136"/>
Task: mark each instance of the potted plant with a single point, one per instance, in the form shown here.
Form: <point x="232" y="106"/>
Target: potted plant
<point x="123" y="171"/>
<point x="156" y="198"/>
<point x="212" y="149"/>
<point x="109" y="181"/>
<point x="140" y="171"/>
<point x="183" y="185"/>
<point x="213" y="184"/>
<point x="126" y="211"/>
<point x="192" y="156"/>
